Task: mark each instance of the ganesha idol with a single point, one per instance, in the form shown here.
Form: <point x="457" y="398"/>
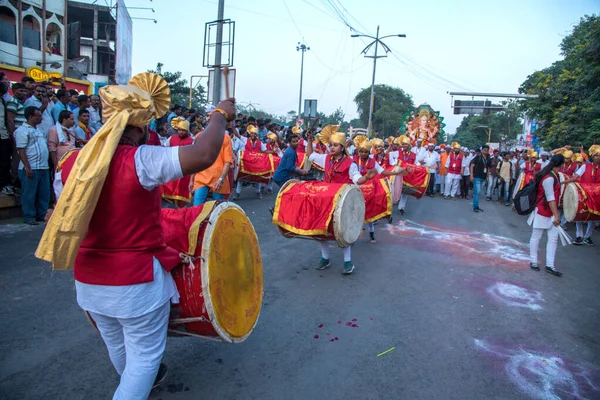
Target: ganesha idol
<point x="423" y="123"/>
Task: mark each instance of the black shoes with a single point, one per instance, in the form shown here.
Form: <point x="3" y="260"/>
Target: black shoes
<point x="578" y="241"/>
<point x="534" y="266"/>
<point x="553" y="271"/>
<point x="160" y="375"/>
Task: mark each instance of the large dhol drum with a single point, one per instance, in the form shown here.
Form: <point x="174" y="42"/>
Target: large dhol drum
<point x="220" y="280"/>
<point x="581" y="202"/>
<point x="254" y="167"/>
<point x="562" y="177"/>
<point x="415" y="183"/>
<point x="320" y="211"/>
<point x="378" y="199"/>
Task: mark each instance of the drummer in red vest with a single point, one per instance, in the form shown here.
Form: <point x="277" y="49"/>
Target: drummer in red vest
<point x="366" y="162"/>
<point x="379" y="155"/>
<point x="252" y="144"/>
<point x="546" y="216"/>
<point x="122" y="266"/>
<point x="183" y="137"/>
<point x="454" y="172"/>
<point x="406" y="156"/>
<point x="588" y="173"/>
<point x="339" y="168"/>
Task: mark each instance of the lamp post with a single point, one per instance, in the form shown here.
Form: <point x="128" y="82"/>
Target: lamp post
<point x="303" y="48"/>
<point x="376" y="41"/>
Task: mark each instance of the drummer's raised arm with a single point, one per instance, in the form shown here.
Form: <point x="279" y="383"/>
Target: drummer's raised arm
<point x="206" y="148"/>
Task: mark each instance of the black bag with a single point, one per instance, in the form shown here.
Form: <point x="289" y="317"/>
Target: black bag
<point x="525" y="199"/>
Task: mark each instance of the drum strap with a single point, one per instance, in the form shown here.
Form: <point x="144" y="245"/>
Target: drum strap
<point x="195" y="228"/>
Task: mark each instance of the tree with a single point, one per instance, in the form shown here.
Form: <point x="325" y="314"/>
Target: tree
<point x="568" y="102"/>
<point x="389" y="107"/>
<point x="180" y="89"/>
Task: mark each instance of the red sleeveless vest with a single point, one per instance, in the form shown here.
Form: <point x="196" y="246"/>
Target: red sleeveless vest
<point x="364" y="166"/>
<point x="591" y="174"/>
<point x="570" y="169"/>
<point x="337" y="171"/>
<point x="125" y="231"/>
<point x="301" y="146"/>
<point x="253" y="147"/>
<point x="175" y="140"/>
<point x="409" y="157"/>
<point x="543" y="208"/>
<point x="455" y="164"/>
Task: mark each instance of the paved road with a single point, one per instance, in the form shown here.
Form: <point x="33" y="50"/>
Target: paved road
<point x="449" y="289"/>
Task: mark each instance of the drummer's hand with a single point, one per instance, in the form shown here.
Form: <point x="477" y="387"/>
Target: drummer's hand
<point x="228" y="105"/>
<point x="410" y="169"/>
<point x="471" y="179"/>
<point x="309" y="136"/>
<point x="556" y="220"/>
<point x="568" y="147"/>
<point x="217" y="185"/>
<point x="371" y="173"/>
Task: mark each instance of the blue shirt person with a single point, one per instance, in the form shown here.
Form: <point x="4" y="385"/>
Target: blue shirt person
<point x="287" y="166"/>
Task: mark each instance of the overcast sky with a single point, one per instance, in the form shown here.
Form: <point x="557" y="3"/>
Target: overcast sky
<point x="462" y="45"/>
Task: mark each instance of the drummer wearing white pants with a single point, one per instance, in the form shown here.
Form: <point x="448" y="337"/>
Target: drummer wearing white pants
<point x="122" y="268"/>
<point x="546" y="216"/>
<point x="454" y="163"/>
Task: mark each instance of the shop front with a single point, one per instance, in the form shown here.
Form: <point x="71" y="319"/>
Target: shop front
<point x="15" y="74"/>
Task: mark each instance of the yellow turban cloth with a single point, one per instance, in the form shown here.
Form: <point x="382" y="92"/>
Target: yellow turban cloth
<point x="146" y="96"/>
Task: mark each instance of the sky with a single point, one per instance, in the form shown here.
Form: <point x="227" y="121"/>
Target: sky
<point x="462" y="45"/>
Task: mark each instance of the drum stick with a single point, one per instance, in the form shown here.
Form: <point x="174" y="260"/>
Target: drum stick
<point x="226" y="75"/>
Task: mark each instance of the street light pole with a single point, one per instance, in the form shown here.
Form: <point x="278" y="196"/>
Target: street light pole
<point x="376" y="41"/>
<point x="303" y="48"/>
<point x="218" y="49"/>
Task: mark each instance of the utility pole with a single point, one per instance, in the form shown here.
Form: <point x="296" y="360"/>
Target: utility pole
<point x="218" y="48"/>
<point x="303" y="48"/>
<point x="376" y="41"/>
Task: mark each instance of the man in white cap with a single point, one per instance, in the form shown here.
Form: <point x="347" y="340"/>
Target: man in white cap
<point x="429" y="159"/>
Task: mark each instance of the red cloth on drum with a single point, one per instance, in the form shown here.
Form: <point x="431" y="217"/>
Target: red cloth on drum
<point x="455" y="164"/>
<point x="409" y="158"/>
<point x="253" y="147"/>
<point x="257" y="164"/>
<point x="276" y="161"/>
<point x="570" y="169"/>
<point x="364" y="166"/>
<point x="178" y="190"/>
<point x="543" y="208"/>
<point x="306" y="208"/>
<point x="337" y="171"/>
<point x="300" y="157"/>
<point x="378" y="199"/>
<point x="124" y="233"/>
<point x="417" y="180"/>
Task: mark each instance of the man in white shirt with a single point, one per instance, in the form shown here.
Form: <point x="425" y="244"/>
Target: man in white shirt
<point x="95" y="112"/>
<point x="429" y="159"/>
<point x="466" y="173"/>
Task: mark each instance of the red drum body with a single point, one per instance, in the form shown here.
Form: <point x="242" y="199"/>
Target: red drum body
<point x="320" y="211"/>
<point x="220" y="279"/>
<point x="415" y="183"/>
<point x="581" y="202"/>
<point x="378" y="199"/>
<point x="255" y="167"/>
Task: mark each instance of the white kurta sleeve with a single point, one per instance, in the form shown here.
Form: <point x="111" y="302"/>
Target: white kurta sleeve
<point x="354" y="173"/>
<point x="548" y="185"/>
<point x="157" y="165"/>
<point x="263" y="147"/>
<point x="379" y="168"/>
<point x="318" y="159"/>
<point x="580" y="171"/>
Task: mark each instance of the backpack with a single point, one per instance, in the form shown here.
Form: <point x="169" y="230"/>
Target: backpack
<point x="525" y="199"/>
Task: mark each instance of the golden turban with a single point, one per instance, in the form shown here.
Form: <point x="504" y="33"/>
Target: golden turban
<point x="593" y="150"/>
<point x="567" y="154"/>
<point x="577" y="158"/>
<point x="329" y="134"/>
<point x="251" y="129"/>
<point x="530" y="152"/>
<point x="361" y="142"/>
<point x="391" y="140"/>
<point x="376" y="142"/>
<point x="272" y="136"/>
<point x="296" y="130"/>
<point x="533" y="154"/>
<point x="403" y="139"/>
<point x="455" y="145"/>
<point x="146" y="96"/>
<point x="180" y="123"/>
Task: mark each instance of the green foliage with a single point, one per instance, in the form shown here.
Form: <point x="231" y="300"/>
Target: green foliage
<point x="390" y="105"/>
<point x="180" y="89"/>
<point x="505" y="127"/>
<point x="569" y="90"/>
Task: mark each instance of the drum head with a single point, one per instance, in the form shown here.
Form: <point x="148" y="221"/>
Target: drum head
<point x="571" y="201"/>
<point x="232" y="273"/>
<point x="348" y="216"/>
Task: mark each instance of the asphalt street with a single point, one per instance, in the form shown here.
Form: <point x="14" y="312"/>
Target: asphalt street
<point x="448" y="289"/>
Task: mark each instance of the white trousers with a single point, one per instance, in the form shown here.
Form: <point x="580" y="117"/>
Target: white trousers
<point x="588" y="231"/>
<point x="371" y="226"/>
<point x="238" y="187"/>
<point x="402" y="202"/>
<point x="452" y="185"/>
<point x="135" y="347"/>
<point x="325" y="252"/>
<point x="534" y="243"/>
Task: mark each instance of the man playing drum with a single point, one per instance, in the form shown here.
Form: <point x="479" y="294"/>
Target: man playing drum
<point x="406" y="156"/>
<point x="107" y="226"/>
<point x="588" y="173"/>
<point x="339" y="168"/>
<point x="251" y="145"/>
